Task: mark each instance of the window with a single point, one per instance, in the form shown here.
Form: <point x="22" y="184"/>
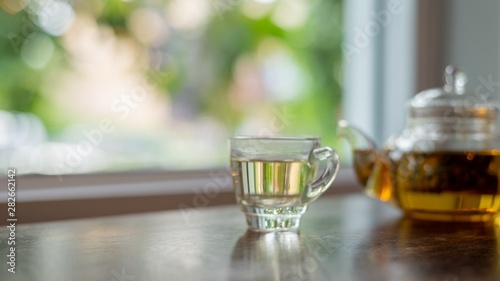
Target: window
<point x="131" y="85"/>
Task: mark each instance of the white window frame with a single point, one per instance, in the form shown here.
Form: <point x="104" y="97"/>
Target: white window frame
<point x="380" y="75"/>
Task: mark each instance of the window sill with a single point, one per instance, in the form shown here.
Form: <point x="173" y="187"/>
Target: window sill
<point x="47" y="198"/>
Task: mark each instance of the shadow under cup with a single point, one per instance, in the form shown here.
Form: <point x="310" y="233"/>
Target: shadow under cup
<point x="275" y="178"/>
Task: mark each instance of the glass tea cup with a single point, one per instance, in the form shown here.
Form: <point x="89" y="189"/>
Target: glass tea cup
<point x="275" y="178"/>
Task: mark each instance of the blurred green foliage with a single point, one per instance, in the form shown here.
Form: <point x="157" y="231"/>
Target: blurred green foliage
<point x="20" y="86"/>
<point x="19" y="82"/>
<point x="315" y="46"/>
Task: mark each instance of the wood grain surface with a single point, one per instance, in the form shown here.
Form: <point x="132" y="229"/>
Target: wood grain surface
<point x="347" y="237"/>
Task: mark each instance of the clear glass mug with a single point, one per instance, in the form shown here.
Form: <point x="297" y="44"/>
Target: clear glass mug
<point x="275" y="178"/>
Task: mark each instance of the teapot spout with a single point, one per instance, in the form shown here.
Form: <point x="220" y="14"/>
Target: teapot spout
<point x="364" y="150"/>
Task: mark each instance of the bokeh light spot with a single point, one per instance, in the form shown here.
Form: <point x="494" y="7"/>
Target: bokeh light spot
<point x="148" y="27"/>
<point x="13" y="6"/>
<point x="55" y="18"/>
<point x="37" y="50"/>
<point x="291" y="14"/>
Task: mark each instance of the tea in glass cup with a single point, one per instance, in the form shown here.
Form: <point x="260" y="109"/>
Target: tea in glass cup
<point x="275" y="178"/>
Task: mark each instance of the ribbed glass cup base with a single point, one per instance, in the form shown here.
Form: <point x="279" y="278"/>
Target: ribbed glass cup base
<point x="274" y="219"/>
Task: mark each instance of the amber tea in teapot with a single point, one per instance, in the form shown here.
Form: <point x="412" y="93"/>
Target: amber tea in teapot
<point x="445" y="164"/>
<point x="442" y="183"/>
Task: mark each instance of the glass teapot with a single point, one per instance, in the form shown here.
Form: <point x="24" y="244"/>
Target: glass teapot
<point x="445" y="165"/>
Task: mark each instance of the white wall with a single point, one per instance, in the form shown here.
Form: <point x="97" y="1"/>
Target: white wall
<point x="472" y="41"/>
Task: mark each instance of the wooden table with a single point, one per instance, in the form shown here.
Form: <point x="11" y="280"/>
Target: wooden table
<point x="347" y="237"/>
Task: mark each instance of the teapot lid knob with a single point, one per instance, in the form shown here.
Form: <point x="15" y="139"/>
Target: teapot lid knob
<point x="453" y="100"/>
<point x="455" y="80"/>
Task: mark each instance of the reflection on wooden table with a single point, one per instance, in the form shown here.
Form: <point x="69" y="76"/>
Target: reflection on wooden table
<point x="347" y="237"/>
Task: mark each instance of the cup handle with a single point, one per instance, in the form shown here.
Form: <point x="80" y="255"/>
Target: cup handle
<point x="313" y="190"/>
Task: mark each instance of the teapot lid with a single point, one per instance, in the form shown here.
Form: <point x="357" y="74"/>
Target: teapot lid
<point x="452" y="101"/>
